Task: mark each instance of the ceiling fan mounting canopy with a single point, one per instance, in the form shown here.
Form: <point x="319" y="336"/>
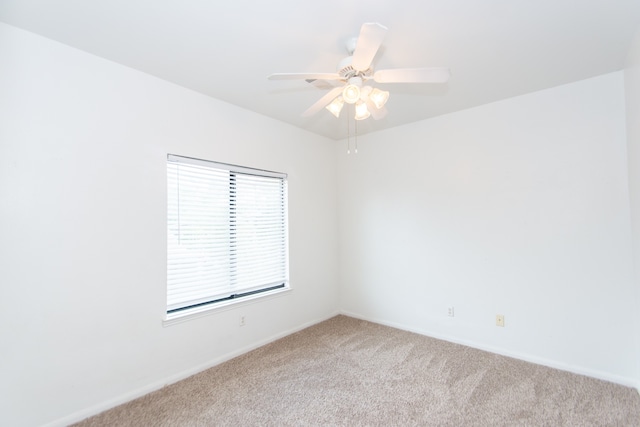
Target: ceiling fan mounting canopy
<point x="356" y="69"/>
<point x="351" y="45"/>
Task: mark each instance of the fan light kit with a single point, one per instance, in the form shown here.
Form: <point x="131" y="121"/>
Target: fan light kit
<point x="356" y="70"/>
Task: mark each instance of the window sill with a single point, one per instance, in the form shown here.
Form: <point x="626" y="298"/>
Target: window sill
<point x="194" y="313"/>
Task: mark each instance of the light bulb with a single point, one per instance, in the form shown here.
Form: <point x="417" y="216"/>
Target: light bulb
<point x="362" y="112"/>
<point x="351" y="94"/>
<point x="336" y="106"/>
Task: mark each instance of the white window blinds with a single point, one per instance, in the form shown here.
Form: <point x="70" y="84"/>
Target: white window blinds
<point x="226" y="232"/>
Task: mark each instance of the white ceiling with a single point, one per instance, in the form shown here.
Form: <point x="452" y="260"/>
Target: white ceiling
<point x="495" y="49"/>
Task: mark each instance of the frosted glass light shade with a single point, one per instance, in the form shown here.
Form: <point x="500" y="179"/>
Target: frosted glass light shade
<point x="362" y="112"/>
<point x="351" y="94"/>
<point x="336" y="106"/>
<point x="379" y="97"/>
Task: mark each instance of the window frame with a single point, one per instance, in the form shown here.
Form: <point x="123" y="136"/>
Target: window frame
<point x="248" y="294"/>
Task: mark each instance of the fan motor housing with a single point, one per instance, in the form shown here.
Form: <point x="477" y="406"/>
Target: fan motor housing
<point x="346" y="70"/>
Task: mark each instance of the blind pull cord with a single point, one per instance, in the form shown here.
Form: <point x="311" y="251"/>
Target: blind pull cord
<point x="179" y="221"/>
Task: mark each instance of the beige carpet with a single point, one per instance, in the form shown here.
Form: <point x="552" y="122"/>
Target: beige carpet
<point x="347" y="372"/>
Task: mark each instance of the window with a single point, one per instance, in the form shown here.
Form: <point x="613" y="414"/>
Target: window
<point x="226" y="233"/>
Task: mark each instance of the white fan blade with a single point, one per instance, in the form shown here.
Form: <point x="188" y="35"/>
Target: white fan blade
<point x="413" y="75"/>
<point x="369" y="41"/>
<point x="322" y="102"/>
<point x="325" y="84"/>
<point x="304" y="76"/>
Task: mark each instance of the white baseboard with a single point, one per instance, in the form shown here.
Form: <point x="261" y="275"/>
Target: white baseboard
<point x="156" y="385"/>
<point x="606" y="376"/>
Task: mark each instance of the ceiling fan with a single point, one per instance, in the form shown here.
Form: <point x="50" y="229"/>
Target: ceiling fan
<point x="355" y="71"/>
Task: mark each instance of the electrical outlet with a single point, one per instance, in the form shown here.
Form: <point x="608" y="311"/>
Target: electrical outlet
<point x="242" y="321"/>
<point x="450" y="312"/>
<point x="500" y="320"/>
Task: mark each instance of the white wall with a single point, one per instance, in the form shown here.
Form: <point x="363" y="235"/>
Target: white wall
<point x="632" y="96"/>
<point x="519" y="208"/>
<point x="83" y="145"/>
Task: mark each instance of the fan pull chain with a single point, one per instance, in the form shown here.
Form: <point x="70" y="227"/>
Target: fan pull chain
<point x="348" y="134"/>
<point x="355" y="125"/>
